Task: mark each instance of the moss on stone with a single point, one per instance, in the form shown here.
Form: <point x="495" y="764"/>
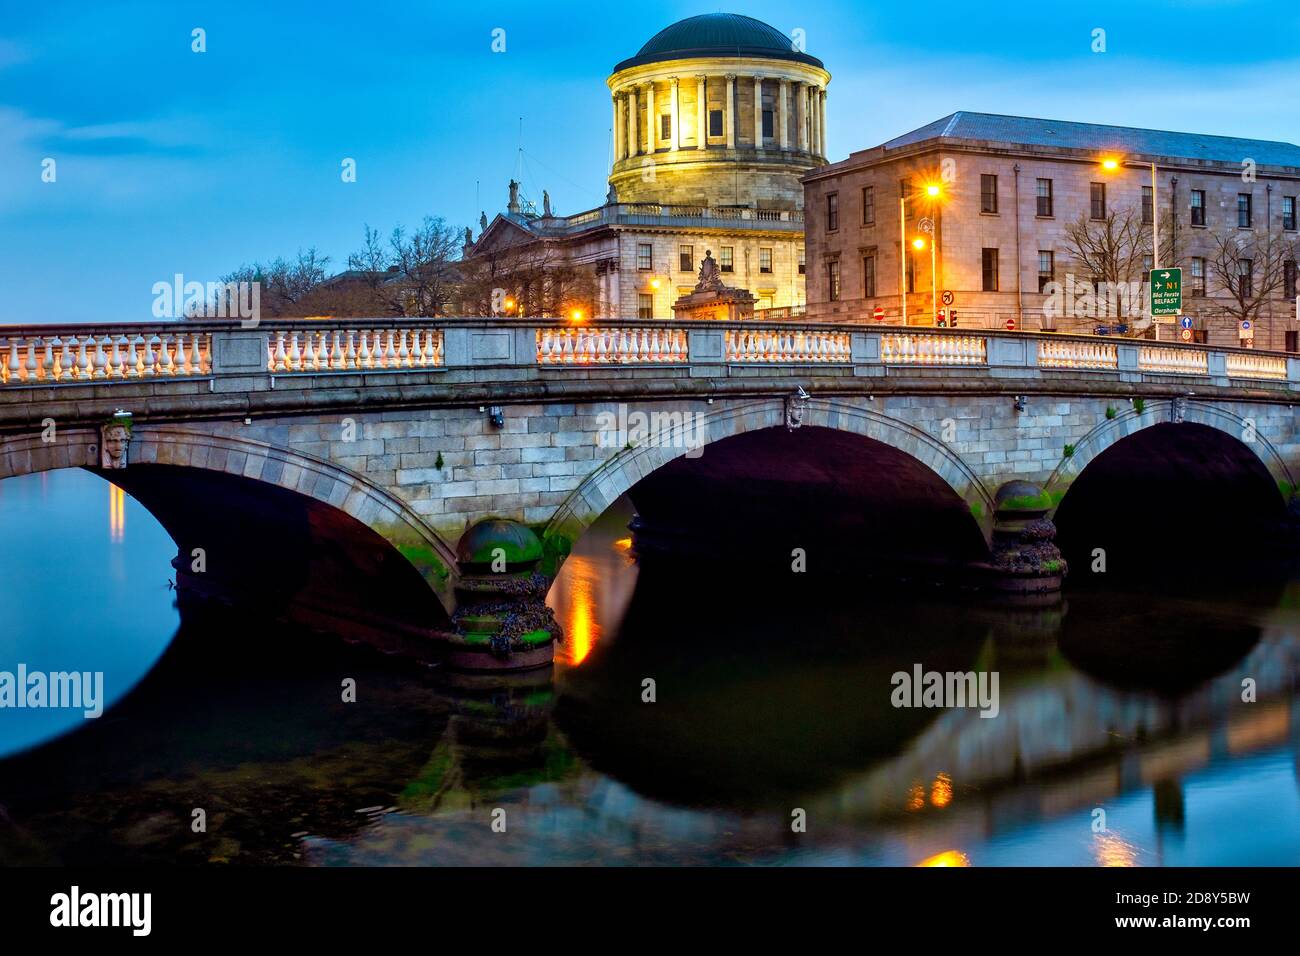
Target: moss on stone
<point x="1026" y="503"/>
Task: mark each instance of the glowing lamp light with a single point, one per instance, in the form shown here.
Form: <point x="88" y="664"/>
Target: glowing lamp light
<point x="932" y="190"/>
<point x="654" y="283"/>
<point x="918" y="243"/>
<point x="575" y="316"/>
<point x="1110" y="165"/>
<point x="510" y="305"/>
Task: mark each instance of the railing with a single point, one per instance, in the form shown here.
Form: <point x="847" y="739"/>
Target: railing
<point x="591" y="346"/>
<point x="343" y="349"/>
<point x="1078" y="355"/>
<point x="787" y="345"/>
<point x="71" y="355"/>
<point x="632" y="212"/>
<point x="35" y="359"/>
<point x="1173" y="361"/>
<point x="909" y="348"/>
<point x="1245" y="365"/>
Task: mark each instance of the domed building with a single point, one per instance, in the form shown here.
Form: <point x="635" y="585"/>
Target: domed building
<point x="718" y="109"/>
<point x="714" y="121"/>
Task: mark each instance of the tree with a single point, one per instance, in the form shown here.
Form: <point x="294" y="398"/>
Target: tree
<point x="284" y="283"/>
<point x="415" y="274"/>
<point x="526" y="279"/>
<point x="1110" y="252"/>
<point x="1250" y="267"/>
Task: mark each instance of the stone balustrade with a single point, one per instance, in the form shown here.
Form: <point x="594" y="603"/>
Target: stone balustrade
<point x="787" y="345"/>
<point x="73" y="355"/>
<point x="908" y="348"/>
<point x="1256" y="365"/>
<point x="342" y="349"/>
<point x="1073" y="354"/>
<point x="1173" y="360"/>
<point x="618" y="346"/>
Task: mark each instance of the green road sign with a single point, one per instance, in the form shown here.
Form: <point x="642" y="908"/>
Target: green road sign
<point x="1167" y="292"/>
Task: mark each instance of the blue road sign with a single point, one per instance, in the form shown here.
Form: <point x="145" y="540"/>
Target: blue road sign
<point x="1185" y="321"/>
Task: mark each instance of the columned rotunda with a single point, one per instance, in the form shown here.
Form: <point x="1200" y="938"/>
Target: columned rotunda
<point x="713" y="105"/>
<point x="714" y="121"/>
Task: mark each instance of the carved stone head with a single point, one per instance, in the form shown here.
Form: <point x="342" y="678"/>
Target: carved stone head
<point x="114" y="438"/>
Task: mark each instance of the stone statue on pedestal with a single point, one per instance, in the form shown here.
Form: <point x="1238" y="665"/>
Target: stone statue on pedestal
<point x="710" y="277"/>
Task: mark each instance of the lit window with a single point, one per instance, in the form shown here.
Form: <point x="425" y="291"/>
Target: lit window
<point x="727" y="258"/>
<point x="765" y="260"/>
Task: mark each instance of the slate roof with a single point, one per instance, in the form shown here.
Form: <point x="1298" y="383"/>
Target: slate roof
<point x="1127" y="140"/>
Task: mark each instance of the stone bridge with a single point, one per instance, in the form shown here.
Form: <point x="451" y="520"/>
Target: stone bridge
<point x="441" y="470"/>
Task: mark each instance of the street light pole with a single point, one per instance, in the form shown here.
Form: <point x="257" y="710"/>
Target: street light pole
<point x="902" y="252"/>
<point x="1155" y="241"/>
<point x="934" y="276"/>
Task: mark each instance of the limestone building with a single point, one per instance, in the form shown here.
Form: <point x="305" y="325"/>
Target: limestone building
<point x="1010" y="189"/>
<point x="714" y="121"/>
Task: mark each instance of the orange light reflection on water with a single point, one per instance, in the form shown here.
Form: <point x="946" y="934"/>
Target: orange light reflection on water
<point x="946" y="858"/>
<point x="116" y="513"/>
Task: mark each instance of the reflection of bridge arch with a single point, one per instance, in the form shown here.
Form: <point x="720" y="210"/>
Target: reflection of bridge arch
<point x="324" y="483"/>
<point x="623" y="470"/>
<point x="1216" y="416"/>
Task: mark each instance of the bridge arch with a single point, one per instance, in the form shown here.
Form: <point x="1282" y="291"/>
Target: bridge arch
<point x="622" y="471"/>
<point x="321" y="481"/>
<point x="1217" y="416"/>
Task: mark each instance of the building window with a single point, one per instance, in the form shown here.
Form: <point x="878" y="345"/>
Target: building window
<point x="1045" y="198"/>
<point x="715" y="122"/>
<point x="905" y="187"/>
<point x="645" y="306"/>
<point x="832" y="212"/>
<point x="1245" y="278"/>
<point x="1046" y="268"/>
<point x="833" y="280"/>
<point x="1098" y="201"/>
<point x="1288" y="212"/>
<point x="665" y="126"/>
<point x="687" y="255"/>
<point x="1243" y="210"/>
<point x="990" y="270"/>
<point x="868" y="205"/>
<point x="988" y="193"/>
<point x="1148" y="209"/>
<point x="802" y="265"/>
<point x="1198" y="207"/>
<point x="644" y="261"/>
<point x="869" y="276"/>
<point x="727" y="259"/>
<point x="1198" y="277"/>
<point x="768" y="125"/>
<point x="765" y="259"/>
<point x="1288" y="279"/>
<point x="911" y="271"/>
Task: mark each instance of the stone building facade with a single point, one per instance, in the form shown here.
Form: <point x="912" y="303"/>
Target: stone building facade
<point x="1008" y="189"/>
<point x="714" y="121"/>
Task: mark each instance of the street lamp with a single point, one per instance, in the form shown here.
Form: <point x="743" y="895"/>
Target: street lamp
<point x="1110" y="164"/>
<point x="934" y="193"/>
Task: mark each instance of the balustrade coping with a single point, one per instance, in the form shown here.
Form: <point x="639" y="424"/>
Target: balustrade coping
<point x="44" y="333"/>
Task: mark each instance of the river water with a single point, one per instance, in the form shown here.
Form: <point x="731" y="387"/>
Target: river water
<point x="1121" y="736"/>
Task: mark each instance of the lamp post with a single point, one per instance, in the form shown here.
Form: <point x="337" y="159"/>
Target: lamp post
<point x="933" y="192"/>
<point x="1110" y="165"/>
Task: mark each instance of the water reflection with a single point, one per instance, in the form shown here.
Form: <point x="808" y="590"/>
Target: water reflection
<point x="770" y="697"/>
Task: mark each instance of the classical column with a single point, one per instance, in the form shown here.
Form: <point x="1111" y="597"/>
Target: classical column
<point x="675" y="116"/>
<point x="821" y="120"/>
<point x="728" y="105"/>
<point x="633" y="146"/>
<point x="783" y="137"/>
<point x="758" y="112"/>
<point x="814" y="113"/>
<point x="801" y="115"/>
<point x="616" y="130"/>
<point x="651" y="121"/>
<point x="701" y="112"/>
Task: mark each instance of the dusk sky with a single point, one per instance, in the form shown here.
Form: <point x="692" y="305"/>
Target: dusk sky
<point x="173" y="161"/>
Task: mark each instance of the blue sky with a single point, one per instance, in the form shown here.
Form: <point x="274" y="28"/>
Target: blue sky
<point x="171" y="161"/>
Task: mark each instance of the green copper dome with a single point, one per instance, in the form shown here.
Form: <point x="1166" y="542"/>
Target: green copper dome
<point x="714" y="35"/>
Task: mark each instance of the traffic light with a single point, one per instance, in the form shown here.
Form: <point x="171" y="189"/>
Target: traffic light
<point x="952" y="319"/>
<point x="942" y="320"/>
